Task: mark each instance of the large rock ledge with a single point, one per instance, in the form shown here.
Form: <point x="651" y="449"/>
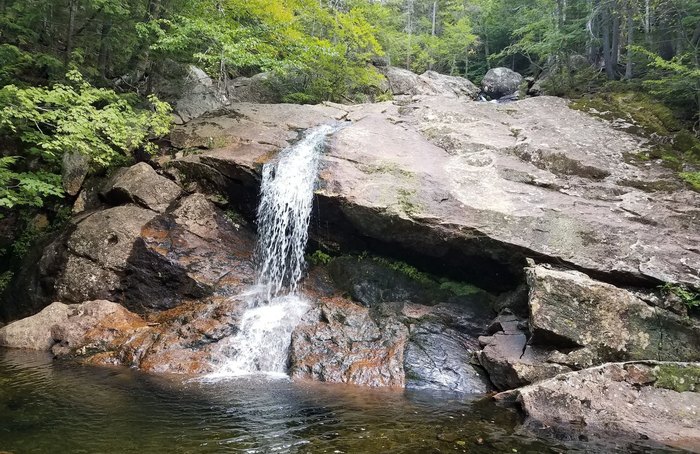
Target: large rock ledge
<point x="649" y="400"/>
<point x="476" y="186"/>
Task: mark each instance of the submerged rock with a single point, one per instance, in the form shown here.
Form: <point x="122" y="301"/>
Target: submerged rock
<point x="652" y="400"/>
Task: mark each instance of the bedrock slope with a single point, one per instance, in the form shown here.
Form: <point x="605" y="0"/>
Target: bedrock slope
<point x="477" y="186"/>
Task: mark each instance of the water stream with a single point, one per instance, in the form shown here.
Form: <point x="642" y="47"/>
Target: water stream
<point x="286" y="200"/>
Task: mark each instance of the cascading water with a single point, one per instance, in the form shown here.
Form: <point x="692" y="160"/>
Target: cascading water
<point x="262" y="343"/>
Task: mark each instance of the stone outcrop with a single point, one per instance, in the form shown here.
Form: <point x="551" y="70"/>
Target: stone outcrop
<point x="34" y="332"/>
<point x="185" y="340"/>
<point x="402" y="82"/>
<point x="141" y="185"/>
<point x="474" y="186"/>
<point x="501" y="82"/>
<point x="597" y="322"/>
<point x="194" y="251"/>
<point x="74" y="169"/>
<point x="650" y="400"/>
<point x="339" y="342"/>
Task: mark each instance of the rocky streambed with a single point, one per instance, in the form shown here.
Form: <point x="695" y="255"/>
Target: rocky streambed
<point x="459" y="246"/>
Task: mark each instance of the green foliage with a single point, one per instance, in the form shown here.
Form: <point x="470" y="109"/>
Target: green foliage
<point x="459" y="288"/>
<point x="692" y="178"/>
<point x="5" y="279"/>
<point x="75" y="117"/>
<point x="690" y="298"/>
<point x="319" y="258"/>
<point x="404" y="268"/>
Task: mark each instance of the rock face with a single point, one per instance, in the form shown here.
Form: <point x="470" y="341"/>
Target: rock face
<point x="140" y="184"/>
<point x="404" y="82"/>
<point x="198" y="96"/>
<point x="34" y="332"/>
<point x="657" y="401"/>
<point x="75" y="169"/>
<point x="603" y="323"/>
<point x="501" y="82"/>
<point x="477" y="187"/>
<point x="339" y="342"/>
<point x="192" y="252"/>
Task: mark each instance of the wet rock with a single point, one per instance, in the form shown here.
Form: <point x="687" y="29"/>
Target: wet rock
<point x="93" y="325"/>
<point x="501" y="82"/>
<point x="192" y="252"/>
<point x="508" y="358"/>
<point x="437" y="357"/>
<point x="639" y="399"/>
<point x="75" y="168"/>
<point x="35" y="332"/>
<point x="140" y="184"/>
<point x="602" y="323"/>
<point x="339" y="342"/>
<point x="184" y="340"/>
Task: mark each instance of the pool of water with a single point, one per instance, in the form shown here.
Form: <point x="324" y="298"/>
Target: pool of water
<point x="61" y="407"/>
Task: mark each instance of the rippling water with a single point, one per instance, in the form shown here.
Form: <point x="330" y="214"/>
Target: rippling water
<point x="60" y="407"/>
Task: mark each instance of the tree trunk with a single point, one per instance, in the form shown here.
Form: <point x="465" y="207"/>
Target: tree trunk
<point x="615" y="39"/>
<point x="103" y="57"/>
<point x="630" y="39"/>
<point x="607" y="49"/>
<point x="432" y="33"/>
<point x="72" y="7"/>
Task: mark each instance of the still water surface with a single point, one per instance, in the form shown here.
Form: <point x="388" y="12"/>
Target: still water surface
<point x="61" y="407"/>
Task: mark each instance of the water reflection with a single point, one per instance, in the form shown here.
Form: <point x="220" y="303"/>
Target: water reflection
<point x="57" y="407"/>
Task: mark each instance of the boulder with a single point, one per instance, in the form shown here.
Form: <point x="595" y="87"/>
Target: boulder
<point x="198" y="95"/>
<point x="258" y="88"/>
<point x="140" y="184"/>
<point x="191" y="339"/>
<point x="192" y="252"/>
<point x="74" y="170"/>
<point x="508" y="359"/>
<point x="92" y="258"/>
<point x="404" y="82"/>
<point x="437" y="357"/>
<point x="650" y="400"/>
<point x="34" y="332"/>
<point x="500" y="82"/>
<point x="597" y="322"/>
<point x="450" y="86"/>
<point x="339" y="342"/>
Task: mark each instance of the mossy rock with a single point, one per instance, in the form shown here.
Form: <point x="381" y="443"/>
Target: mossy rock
<point x="678" y="377"/>
<point x="648" y="116"/>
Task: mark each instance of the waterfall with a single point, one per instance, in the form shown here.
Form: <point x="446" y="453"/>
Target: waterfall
<point x="284" y="212"/>
<point x="262" y="342"/>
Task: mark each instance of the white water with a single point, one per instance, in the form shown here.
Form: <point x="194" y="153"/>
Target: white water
<point x="285" y="206"/>
<point x="262" y="343"/>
